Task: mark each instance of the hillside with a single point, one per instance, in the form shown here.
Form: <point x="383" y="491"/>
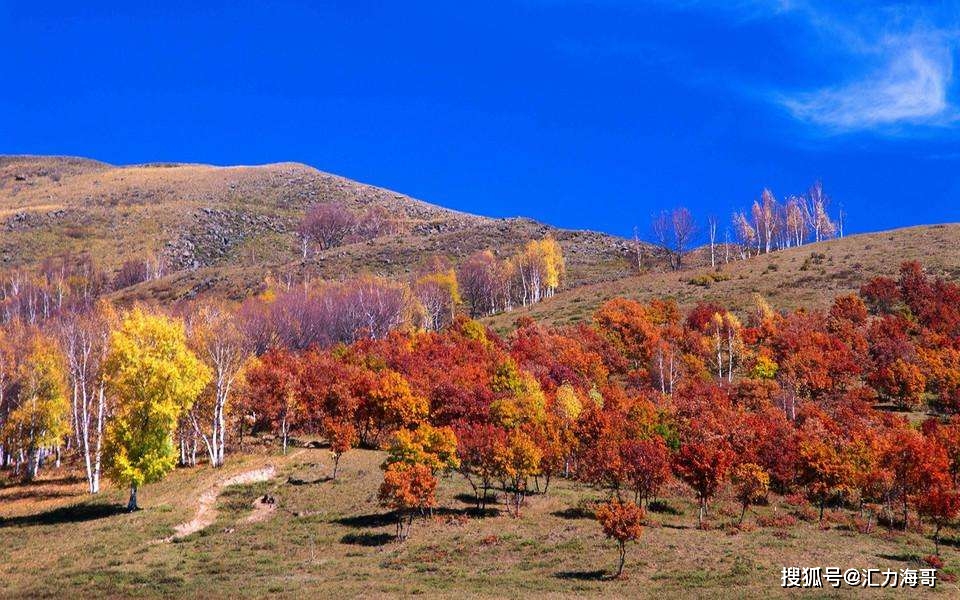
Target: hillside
<point x="224" y="229"/>
<point x="810" y="276"/>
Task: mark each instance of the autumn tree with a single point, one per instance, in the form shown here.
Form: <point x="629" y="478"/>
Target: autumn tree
<point x="674" y="231"/>
<point x="825" y="467"/>
<point x="326" y="225"/>
<point x="939" y="502"/>
<point x="712" y="224"/>
<point x="646" y="466"/>
<point x="541" y="268"/>
<point x="751" y="483"/>
<point x="816" y="215"/>
<point x="482" y="282"/>
<point x="881" y="294"/>
<point x="622" y="521"/>
<point x="426" y="445"/>
<point x="40" y="419"/>
<point x="407" y="489"/>
<point x="705" y="456"/>
<point x="154" y="378"/>
<point x="746" y="234"/>
<point x="794" y="221"/>
<point x="389" y="404"/>
<point x="221" y="345"/>
<point x="628" y="326"/>
<point x="517" y="459"/>
<point x="343" y="436"/>
<point x="84" y="341"/>
<point x="273" y="394"/>
<point x="765" y="223"/>
<point x="438" y="294"/>
<point x="477" y="445"/>
<point x="7" y="368"/>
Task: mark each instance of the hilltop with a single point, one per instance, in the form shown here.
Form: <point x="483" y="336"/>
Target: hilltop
<point x="224" y="229"/>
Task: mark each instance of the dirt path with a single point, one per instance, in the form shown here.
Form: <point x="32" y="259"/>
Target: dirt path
<point x="207" y="511"/>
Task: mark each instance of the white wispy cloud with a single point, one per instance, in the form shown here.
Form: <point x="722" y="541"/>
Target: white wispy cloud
<point x="898" y="58"/>
<point x="905" y="79"/>
<point x="886" y="65"/>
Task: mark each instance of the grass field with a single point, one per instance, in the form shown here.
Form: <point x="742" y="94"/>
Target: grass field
<point x="331" y="539"/>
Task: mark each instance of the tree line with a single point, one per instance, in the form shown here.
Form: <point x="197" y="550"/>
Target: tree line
<point x="808" y="404"/>
<point x="767" y="226"/>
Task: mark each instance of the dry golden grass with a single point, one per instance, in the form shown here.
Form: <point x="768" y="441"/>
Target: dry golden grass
<point x="808" y="276"/>
<point x="330" y="538"/>
<point x="225" y="228"/>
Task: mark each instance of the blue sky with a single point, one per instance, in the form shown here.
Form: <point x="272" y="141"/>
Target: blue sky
<point x="589" y="114"/>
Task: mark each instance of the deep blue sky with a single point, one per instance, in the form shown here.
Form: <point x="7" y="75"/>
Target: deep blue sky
<point x="588" y="114"/>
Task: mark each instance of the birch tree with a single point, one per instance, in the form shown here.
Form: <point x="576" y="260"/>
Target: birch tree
<point x="83" y="339"/>
<point x="712" y="225"/>
<point x="219" y="342"/>
<point x="815" y="212"/>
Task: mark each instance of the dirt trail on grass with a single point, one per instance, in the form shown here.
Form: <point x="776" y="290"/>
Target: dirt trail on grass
<point x="207" y="511"/>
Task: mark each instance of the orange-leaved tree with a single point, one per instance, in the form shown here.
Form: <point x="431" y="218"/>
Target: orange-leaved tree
<point x="407" y="489"/>
<point x="622" y="521"/>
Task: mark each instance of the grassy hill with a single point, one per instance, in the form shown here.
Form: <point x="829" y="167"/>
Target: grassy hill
<point x="223" y="229"/>
<point x="810" y="276"/>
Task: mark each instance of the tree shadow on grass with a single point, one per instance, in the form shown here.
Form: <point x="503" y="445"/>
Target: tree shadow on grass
<point x="598" y="575"/>
<point x="367" y="539"/>
<point x="298" y="481"/>
<point x="489" y="509"/>
<point x="35" y="494"/>
<point x="64" y="480"/>
<point x="77" y="513"/>
<point x="370" y="521"/>
<point x="953" y="542"/>
<point x="467" y="498"/>
<point x="575" y="512"/>
<point x="472" y="511"/>
<point x="662" y="507"/>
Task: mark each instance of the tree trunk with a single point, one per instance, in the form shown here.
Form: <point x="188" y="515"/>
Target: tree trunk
<point x="33" y="465"/>
<point x="132" y="503"/>
<point x="700" y="514"/>
<point x="623" y="557"/>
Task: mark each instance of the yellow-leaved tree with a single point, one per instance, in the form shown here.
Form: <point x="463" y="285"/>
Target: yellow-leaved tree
<point x="541" y="268"/>
<point x="153" y="378"/>
<point x="437" y="293"/>
<point x="41" y="418"/>
<point x="554" y="265"/>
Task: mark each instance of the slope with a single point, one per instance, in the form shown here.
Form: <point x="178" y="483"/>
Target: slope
<point x="810" y="275"/>
<point x="224" y="229"/>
